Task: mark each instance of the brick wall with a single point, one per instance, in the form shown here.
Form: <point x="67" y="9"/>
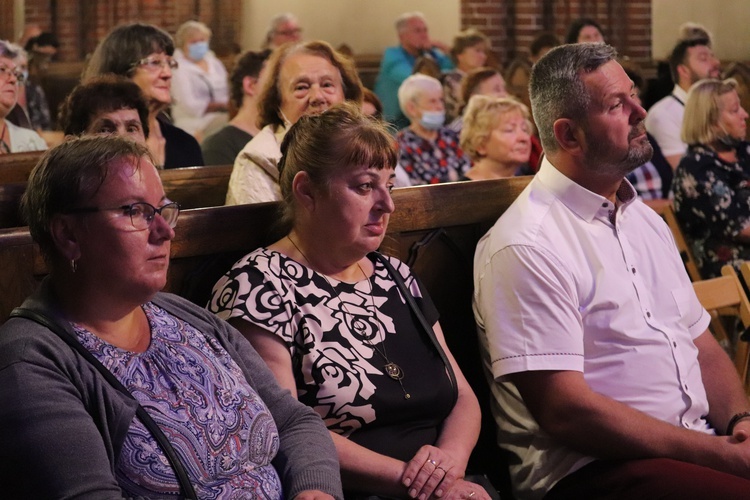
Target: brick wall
<point x="512" y="24"/>
<point x="80" y="24"/>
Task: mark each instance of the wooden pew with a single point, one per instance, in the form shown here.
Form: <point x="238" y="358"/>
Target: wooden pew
<point x="16" y="167"/>
<point x="197" y="187"/>
<point x="192" y="187"/>
<point x="434" y="228"/>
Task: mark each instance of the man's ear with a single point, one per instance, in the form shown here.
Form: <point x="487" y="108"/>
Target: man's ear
<point x="683" y="73"/>
<point x="65" y="237"/>
<point x="304" y="191"/>
<point x="569" y="135"/>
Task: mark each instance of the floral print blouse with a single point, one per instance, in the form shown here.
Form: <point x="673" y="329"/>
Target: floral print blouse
<point x="712" y="201"/>
<point x="432" y="162"/>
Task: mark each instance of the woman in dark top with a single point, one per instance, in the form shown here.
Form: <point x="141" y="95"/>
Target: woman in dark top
<point x="326" y="314"/>
<point x="143" y="53"/>
<point x="712" y="182"/>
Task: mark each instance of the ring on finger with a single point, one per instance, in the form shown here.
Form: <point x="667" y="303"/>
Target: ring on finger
<point x="433" y="462"/>
<point x="471" y="495"/>
<point x="444" y="470"/>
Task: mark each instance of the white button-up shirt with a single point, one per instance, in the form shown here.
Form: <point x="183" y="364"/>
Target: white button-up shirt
<point x="567" y="281"/>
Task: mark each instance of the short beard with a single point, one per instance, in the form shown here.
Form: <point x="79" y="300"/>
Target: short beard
<point x="600" y="161"/>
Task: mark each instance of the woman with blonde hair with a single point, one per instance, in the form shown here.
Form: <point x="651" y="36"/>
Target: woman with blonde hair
<point x="497" y="137"/>
<point x="712" y="182"/>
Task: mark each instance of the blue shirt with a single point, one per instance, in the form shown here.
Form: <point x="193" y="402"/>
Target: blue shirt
<point x="395" y="67"/>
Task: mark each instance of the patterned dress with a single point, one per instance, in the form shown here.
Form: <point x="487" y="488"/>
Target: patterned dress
<point x="431" y="162"/>
<point x="712" y="201"/>
<point x="335" y="335"/>
<point x="222" y="431"/>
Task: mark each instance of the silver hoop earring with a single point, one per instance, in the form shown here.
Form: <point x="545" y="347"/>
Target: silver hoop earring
<point x="73" y="265"/>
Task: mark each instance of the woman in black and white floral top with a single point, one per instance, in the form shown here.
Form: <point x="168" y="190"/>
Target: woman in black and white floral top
<point x="325" y="313"/>
<point x="712" y="182"/>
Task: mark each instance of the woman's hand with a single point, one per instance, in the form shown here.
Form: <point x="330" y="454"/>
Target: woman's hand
<point x="466" y="490"/>
<point x="313" y="495"/>
<point x="431" y="472"/>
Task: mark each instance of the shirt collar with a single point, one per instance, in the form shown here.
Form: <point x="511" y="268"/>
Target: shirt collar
<point x="584" y="203"/>
<point x="679" y="93"/>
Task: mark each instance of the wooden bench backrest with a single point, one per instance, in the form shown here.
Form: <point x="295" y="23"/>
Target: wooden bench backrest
<point x="197" y="187"/>
<point x="16" y="167"/>
<point x="683" y="246"/>
<point x="192" y="187"/>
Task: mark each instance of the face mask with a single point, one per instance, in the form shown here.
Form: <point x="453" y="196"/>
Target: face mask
<point x="432" y="120"/>
<point x="727" y="140"/>
<point x="198" y="50"/>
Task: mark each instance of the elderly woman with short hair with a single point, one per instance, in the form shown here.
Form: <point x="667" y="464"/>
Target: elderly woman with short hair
<point x="143" y="53"/>
<point x="105" y="105"/>
<point x="13" y="139"/>
<point x="331" y="318"/>
<point x="301" y="79"/>
<point x="199" y="84"/>
<point x="712" y="181"/>
<point x="429" y="152"/>
<point x="497" y="137"/>
<point x="111" y="389"/>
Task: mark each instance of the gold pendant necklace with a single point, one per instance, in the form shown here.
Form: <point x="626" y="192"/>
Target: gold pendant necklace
<point x="393" y="370"/>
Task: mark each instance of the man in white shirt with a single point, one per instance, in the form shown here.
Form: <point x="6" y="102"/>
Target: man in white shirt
<point x="606" y="379"/>
<point x="691" y="60"/>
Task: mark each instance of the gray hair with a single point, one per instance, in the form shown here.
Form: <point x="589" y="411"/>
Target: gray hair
<point x="412" y="88"/>
<point x="8" y="50"/>
<point x="556" y="87"/>
<point x="403" y="20"/>
<point x="274" y="24"/>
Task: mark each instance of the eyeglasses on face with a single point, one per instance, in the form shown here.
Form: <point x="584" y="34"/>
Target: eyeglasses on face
<point x="156" y="63"/>
<point x="6" y="72"/>
<point x="141" y="213"/>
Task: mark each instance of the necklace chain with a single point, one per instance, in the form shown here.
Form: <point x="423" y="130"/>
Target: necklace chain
<point x="393" y="370"/>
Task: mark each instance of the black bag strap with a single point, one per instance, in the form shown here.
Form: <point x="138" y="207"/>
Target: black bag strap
<point x="174" y="460"/>
<point x="420" y="318"/>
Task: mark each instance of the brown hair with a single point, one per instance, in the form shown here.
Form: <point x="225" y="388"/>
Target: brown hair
<point x="466" y="39"/>
<point x="269" y="102"/>
<point x="69" y="175"/>
<point x="325" y="144"/>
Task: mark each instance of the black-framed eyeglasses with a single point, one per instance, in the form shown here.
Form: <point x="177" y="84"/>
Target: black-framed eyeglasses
<point x="141" y="213"/>
<point x="157" y="63"/>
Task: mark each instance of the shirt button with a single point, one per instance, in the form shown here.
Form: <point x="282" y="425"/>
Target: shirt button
<point x="648" y="314"/>
<point x="686" y="387"/>
<point x="686" y="425"/>
<point x="633" y="269"/>
<point x="674" y="344"/>
<point x="605" y="204"/>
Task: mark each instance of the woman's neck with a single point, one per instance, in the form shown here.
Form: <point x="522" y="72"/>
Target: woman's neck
<point x="320" y="258"/>
<point x="122" y="323"/>
<point x="490" y="169"/>
<point x="423" y="132"/>
<point x="247" y="117"/>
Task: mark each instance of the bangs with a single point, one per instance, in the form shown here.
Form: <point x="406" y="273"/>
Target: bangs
<point x="370" y="147"/>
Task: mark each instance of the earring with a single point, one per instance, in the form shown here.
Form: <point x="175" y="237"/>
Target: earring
<point x="73" y="265"/>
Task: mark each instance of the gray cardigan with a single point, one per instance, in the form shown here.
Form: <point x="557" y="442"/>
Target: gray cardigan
<point x="62" y="425"/>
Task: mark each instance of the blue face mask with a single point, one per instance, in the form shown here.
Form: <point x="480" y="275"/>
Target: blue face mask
<point x="432" y="120"/>
<point x="197" y="50"/>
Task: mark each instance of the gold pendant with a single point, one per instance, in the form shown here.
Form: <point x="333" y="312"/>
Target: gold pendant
<point x="394" y="371"/>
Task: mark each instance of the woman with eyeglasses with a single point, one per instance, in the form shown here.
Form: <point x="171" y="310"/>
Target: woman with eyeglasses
<point x="13" y="139"/>
<point x="108" y="387"/>
<point x="143" y="53"/>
